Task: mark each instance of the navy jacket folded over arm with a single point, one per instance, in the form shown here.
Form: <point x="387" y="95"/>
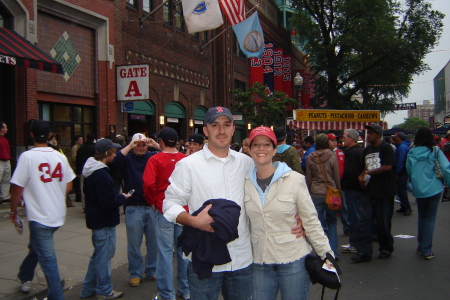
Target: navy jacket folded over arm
<point x="210" y="248"/>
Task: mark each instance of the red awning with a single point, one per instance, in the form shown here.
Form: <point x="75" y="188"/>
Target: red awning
<point x="17" y="51"/>
<point x="329" y="125"/>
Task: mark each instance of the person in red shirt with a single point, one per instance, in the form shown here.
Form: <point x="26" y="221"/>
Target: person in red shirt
<point x="5" y="165"/>
<point x="156" y="180"/>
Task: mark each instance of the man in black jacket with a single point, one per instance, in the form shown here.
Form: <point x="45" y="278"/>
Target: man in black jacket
<point x="84" y="152"/>
<point x="102" y="217"/>
<point x="353" y="167"/>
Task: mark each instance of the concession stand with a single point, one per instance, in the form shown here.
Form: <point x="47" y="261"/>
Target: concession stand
<point x="305" y="121"/>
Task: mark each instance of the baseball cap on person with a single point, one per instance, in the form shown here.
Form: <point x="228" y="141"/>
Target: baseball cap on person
<point x="196" y="138"/>
<point x="40" y="128"/>
<point x="138" y="136"/>
<point x="280" y="133"/>
<point x="104" y="145"/>
<point x="401" y="135"/>
<point x="376" y="127"/>
<point x="262" y="130"/>
<point x="214" y="112"/>
<point x="331" y="136"/>
<point x="168" y="134"/>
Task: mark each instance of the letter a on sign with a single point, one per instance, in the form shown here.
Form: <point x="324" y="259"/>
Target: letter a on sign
<point x="133" y="90"/>
<point x="133" y="82"/>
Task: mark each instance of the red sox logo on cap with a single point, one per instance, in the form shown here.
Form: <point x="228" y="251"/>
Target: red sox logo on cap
<point x="219" y="109"/>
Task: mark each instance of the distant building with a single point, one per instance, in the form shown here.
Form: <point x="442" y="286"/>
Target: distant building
<point x="423" y="111"/>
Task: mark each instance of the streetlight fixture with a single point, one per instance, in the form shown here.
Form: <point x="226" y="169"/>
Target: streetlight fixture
<point x="298" y="83"/>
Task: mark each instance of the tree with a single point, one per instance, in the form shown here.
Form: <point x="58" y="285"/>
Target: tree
<point x="371" y="48"/>
<point x="412" y="124"/>
<point x="260" y="106"/>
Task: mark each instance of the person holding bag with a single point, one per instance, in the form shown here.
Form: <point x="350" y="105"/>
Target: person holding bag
<point x="273" y="193"/>
<point x="322" y="174"/>
<point x="423" y="164"/>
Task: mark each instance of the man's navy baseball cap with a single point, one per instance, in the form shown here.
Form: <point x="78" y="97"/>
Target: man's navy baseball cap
<point x="214" y="112"/>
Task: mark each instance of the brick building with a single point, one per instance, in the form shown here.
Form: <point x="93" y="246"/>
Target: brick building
<point x="78" y="34"/>
<point x="187" y="73"/>
<point x="424" y="111"/>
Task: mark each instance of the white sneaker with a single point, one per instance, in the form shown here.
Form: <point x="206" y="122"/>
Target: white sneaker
<point x="114" y="295"/>
<point x="25" y="286"/>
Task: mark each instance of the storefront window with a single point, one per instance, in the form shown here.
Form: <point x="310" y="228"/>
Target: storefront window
<point x="61" y="113"/>
<point x="68" y="121"/>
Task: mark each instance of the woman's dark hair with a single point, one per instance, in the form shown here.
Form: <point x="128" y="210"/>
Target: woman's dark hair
<point x="424" y="137"/>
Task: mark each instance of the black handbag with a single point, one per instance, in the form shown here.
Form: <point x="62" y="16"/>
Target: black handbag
<point x="317" y="274"/>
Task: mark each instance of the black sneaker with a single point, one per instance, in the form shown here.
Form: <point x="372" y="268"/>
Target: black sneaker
<point x="358" y="258"/>
<point x="408" y="212"/>
<point x="400" y="210"/>
<point x="384" y="255"/>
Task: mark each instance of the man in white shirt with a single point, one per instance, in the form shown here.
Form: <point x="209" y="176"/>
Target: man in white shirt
<point x="43" y="177"/>
<point x="215" y="172"/>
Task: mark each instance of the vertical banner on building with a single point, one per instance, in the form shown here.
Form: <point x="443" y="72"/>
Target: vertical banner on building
<point x="287" y="75"/>
<point x="306" y="98"/>
<point x="312" y="90"/>
<point x="278" y="69"/>
<point x="268" y="65"/>
<point x="256" y="70"/>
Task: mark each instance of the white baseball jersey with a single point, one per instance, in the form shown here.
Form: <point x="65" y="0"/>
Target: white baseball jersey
<point x="44" y="173"/>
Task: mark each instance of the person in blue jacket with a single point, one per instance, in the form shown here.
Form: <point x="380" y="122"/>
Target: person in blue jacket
<point x="310" y="148"/>
<point x="402" y="143"/>
<point x="102" y="217"/>
<point x="426" y="187"/>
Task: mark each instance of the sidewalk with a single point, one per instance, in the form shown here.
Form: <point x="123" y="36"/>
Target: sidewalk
<point x="73" y="248"/>
<point x="404" y="276"/>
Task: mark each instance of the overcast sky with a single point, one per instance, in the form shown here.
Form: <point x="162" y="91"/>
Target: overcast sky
<point x="422" y="87"/>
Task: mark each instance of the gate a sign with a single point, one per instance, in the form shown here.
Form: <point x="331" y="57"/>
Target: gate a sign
<point x="133" y="82"/>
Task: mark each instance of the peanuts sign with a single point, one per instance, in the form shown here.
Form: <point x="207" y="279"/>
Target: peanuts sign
<point x="133" y="82"/>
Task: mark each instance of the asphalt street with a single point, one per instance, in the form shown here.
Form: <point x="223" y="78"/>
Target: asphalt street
<point x="403" y="276"/>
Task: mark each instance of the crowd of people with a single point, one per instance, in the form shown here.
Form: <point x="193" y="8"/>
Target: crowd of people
<point x="226" y="213"/>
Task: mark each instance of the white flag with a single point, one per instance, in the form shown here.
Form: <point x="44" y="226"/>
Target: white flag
<point x="201" y="15"/>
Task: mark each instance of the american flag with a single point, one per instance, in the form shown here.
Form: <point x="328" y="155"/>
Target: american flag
<point x="234" y="10"/>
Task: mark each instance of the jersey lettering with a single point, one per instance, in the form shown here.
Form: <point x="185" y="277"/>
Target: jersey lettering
<point x="47" y="177"/>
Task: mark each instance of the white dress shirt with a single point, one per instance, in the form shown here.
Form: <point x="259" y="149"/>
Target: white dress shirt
<point x="203" y="176"/>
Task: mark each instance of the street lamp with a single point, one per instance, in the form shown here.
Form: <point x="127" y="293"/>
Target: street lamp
<point x="298" y="83"/>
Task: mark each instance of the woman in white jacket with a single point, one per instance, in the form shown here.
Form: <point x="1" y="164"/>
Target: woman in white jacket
<point x="273" y="194"/>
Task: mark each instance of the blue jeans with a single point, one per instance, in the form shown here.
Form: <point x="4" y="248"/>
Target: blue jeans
<point x="291" y="279"/>
<point x="98" y="276"/>
<point x="42" y="249"/>
<point x="166" y="235"/>
<point x="380" y="210"/>
<point x="402" y="189"/>
<point x="235" y="285"/>
<point x="353" y="200"/>
<point x="344" y="213"/>
<point x="328" y="220"/>
<point x="140" y="221"/>
<point x="427" y="209"/>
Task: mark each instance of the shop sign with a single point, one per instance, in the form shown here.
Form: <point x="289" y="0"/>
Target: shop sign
<point x="172" y="120"/>
<point x="138" y="117"/>
<point x="127" y="106"/>
<point x="133" y="82"/>
<point x="317" y="115"/>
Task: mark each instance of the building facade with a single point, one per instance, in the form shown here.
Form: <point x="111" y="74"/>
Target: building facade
<point x="423" y="111"/>
<point x="441" y="84"/>
<point x="94" y="40"/>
